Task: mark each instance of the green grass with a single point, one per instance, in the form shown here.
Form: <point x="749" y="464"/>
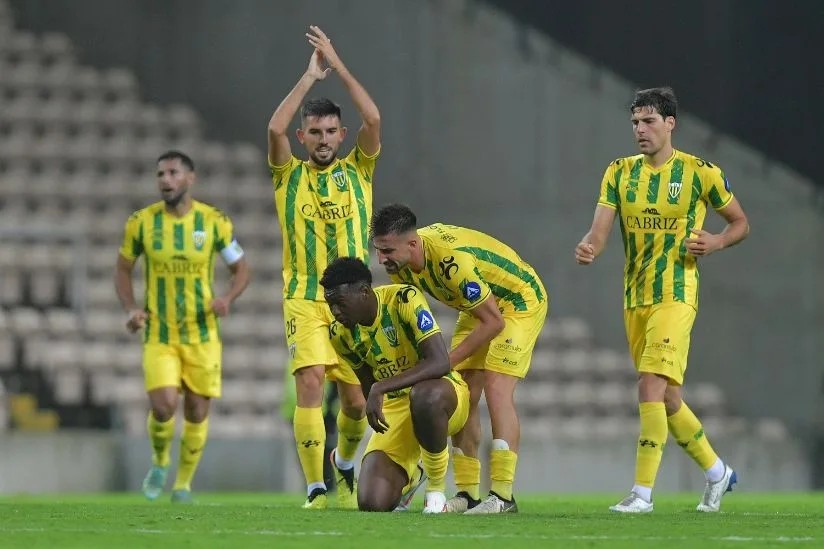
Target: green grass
<point x="275" y="520"/>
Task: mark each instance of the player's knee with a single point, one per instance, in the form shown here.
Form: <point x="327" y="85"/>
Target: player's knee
<point x="196" y="411"/>
<point x="426" y="397"/>
<point x="163" y="410"/>
<point x="309" y="384"/>
<point x="372" y="504"/>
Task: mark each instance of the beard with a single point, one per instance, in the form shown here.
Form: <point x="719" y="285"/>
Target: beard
<point x="323" y="162"/>
<point x="173" y="201"/>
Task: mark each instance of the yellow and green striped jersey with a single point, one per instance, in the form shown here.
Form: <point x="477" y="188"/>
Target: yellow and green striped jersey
<point x="179" y="255"/>
<point x="391" y="344"/>
<point x="323" y="214"/>
<point x="463" y="266"/>
<point x="658" y="208"/>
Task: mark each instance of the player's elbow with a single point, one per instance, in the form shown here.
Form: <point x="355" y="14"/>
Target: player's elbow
<point x="441" y="368"/>
<point x="372" y="119"/>
<point x="276" y="129"/>
<point x="496" y="325"/>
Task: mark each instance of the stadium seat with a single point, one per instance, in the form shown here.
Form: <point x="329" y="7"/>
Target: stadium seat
<point x="70" y="386"/>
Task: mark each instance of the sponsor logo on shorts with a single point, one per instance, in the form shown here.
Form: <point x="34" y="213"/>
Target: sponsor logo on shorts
<point x="292" y="350"/>
<point x="509" y="362"/>
<point x="508" y="346"/>
<point x="664" y="345"/>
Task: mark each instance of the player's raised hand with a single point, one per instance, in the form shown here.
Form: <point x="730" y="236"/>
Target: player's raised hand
<point x="584" y="253"/>
<point x="704" y="243"/>
<point x="137" y="320"/>
<point x="220" y="306"/>
<point x="316" y="69"/>
<point x="374" y="411"/>
<point x="322" y="43"/>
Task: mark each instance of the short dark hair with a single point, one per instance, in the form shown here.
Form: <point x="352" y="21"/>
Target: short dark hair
<point x="393" y="218"/>
<point x="319" y="108"/>
<point x="184" y="158"/>
<point x="345" y="270"/>
<point x="661" y="99"/>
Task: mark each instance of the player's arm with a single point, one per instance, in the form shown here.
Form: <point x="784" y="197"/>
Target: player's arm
<point x="594" y="242"/>
<point x="433" y="364"/>
<point x="279" y="149"/>
<point x="240" y="280"/>
<point x="491" y="324"/>
<point x="125" y="293"/>
<point x="736" y="230"/>
<point x="366" y="378"/>
<point x="369" y="135"/>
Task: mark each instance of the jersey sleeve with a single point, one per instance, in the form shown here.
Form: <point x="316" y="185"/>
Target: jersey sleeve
<point x="225" y="242"/>
<point x="415" y="314"/>
<point x="280" y="174"/>
<point x="347" y="355"/>
<point x="364" y="163"/>
<point x="608" y="195"/>
<point x="132" y="245"/>
<point x="460" y="274"/>
<point x="715" y="187"/>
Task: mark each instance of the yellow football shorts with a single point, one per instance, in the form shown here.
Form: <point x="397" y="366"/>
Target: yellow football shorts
<point x="510" y="352"/>
<point x="307" y="339"/>
<point x="659" y="338"/>
<point x="399" y="441"/>
<point x="197" y="365"/>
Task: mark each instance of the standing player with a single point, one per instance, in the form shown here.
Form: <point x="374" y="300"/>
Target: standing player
<point x="414" y="402"/>
<point x="503" y="306"/>
<point x="178" y="238"/>
<point x="661" y="197"/>
<point x="323" y="208"/>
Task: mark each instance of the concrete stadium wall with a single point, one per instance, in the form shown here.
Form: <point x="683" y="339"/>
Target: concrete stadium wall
<point x="482" y="115"/>
<point x="96" y="462"/>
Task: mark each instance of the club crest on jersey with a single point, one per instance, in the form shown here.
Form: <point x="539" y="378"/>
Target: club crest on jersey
<point x="339" y="177"/>
<point x="675" y="189"/>
<point x="391" y="335"/>
<point x="425" y="320"/>
<point x="472" y="291"/>
<point x="199" y="239"/>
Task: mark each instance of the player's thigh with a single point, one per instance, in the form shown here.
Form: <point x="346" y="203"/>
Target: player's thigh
<point x="463" y="327"/>
<point x="458" y="418"/>
<point x="202" y="365"/>
<point x="667" y="341"/>
<point x="399" y="441"/>
<point x="510" y="352"/>
<point x="161" y="366"/>
<point x="635" y="325"/>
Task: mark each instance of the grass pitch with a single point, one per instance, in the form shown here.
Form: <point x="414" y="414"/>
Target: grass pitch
<point x="276" y="520"/>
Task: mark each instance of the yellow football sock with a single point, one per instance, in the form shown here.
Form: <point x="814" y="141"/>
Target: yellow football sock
<point x="160" y="435"/>
<point x="650" y="442"/>
<point x="191" y="448"/>
<point x="467" y="475"/>
<point x="310" y="437"/>
<point x="502" y="472"/>
<point x="688" y="432"/>
<point x="435" y="465"/>
<point x="350" y="433"/>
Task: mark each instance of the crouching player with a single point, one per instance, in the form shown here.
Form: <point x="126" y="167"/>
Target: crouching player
<point x="389" y="337"/>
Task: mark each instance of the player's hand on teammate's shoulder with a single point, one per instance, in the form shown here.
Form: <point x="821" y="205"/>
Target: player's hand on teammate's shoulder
<point x="220" y="306"/>
<point x="323" y="44"/>
<point x="704" y="243"/>
<point x="584" y="253"/>
<point x="136" y="320"/>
